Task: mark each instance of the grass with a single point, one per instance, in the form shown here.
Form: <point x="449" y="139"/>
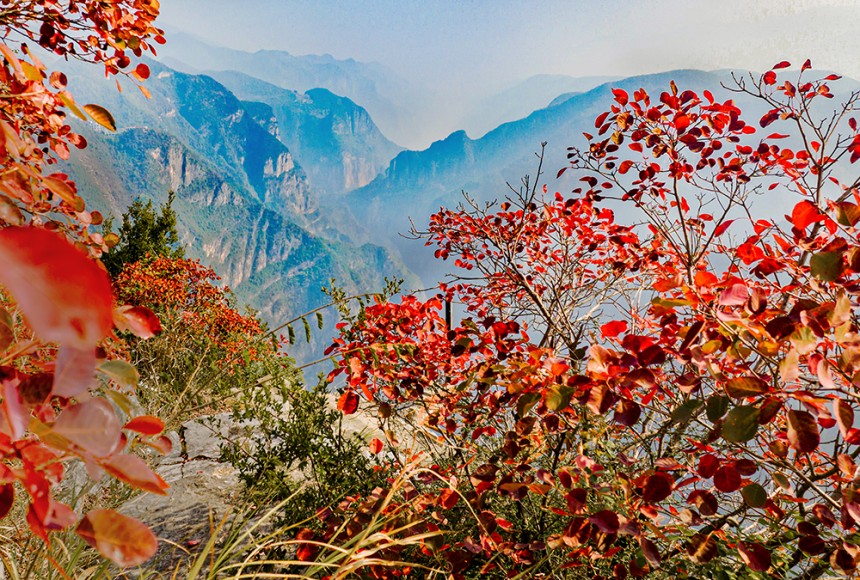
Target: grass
<point x="239" y="546"/>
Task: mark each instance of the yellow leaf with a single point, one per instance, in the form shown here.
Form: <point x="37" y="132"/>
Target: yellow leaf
<point x="67" y="99"/>
<point x="101" y="116"/>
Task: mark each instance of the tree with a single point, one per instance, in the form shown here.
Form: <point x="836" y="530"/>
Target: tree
<point x="207" y="349"/>
<point x="690" y="413"/>
<point x="143" y="232"/>
<point x="57" y="304"/>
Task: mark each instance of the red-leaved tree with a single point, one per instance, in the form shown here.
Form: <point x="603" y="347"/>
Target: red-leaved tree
<point x="60" y="398"/>
<point x="671" y="394"/>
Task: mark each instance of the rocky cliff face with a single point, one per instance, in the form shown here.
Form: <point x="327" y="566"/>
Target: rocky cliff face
<point x="339" y="144"/>
<point x="245" y="205"/>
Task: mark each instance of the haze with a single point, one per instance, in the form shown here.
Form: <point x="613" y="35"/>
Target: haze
<point x="466" y="50"/>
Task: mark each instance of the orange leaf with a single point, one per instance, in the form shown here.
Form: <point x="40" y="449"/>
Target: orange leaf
<point x="101" y="115"/>
<point x="375" y="446"/>
<point x="92" y="426"/>
<point x="134" y="471"/>
<point x="138" y="320"/>
<point x="145" y="425"/>
<point x="348" y="403"/>
<point x="448" y="498"/>
<point x="124" y="540"/>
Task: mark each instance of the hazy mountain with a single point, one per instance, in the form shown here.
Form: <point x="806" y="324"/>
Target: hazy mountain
<point x="340" y="146"/>
<point x="391" y="101"/>
<point x="417" y="183"/>
<point x="244" y="204"/>
<point x="519" y="100"/>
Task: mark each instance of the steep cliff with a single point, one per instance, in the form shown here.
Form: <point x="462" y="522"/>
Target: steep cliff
<point x="338" y="142"/>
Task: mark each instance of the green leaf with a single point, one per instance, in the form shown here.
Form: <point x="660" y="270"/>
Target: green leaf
<point x="526" y="403"/>
<point x="291" y="334"/>
<point x="558" y="397"/>
<point x="122" y="372"/>
<point x="685" y="411"/>
<point x="847" y="213"/>
<point x="741" y="424"/>
<point x="120" y="400"/>
<point x="754" y="495"/>
<point x="716" y="407"/>
<point x="101" y="116"/>
<point x="826" y="266"/>
<point x="320" y="321"/>
<point x="307" y="326"/>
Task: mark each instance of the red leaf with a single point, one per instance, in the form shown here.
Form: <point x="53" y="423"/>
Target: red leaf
<point x="348" y="403"/>
<point x="805" y="213"/>
<point x="781" y="64"/>
<point x="65" y="297"/>
<point x="124" y="540"/>
<point x="769" y="77"/>
<point x="606" y="521"/>
<point x="375" y="446"/>
<point x="844" y="413"/>
<point x="14" y="416"/>
<point x="657" y="487"/>
<point x="721" y="229"/>
<point x="306" y="552"/>
<point x="138" y="320"/>
<point x="620" y="96"/>
<point x="803" y="431"/>
<point x="727" y="479"/>
<point x="613" y="329"/>
<point x="754" y="555"/>
<point x="145" y="425"/>
<point x="650" y="551"/>
<point x="735" y="295"/>
<point x="7" y="499"/>
<point x="141" y="71"/>
<point x="768" y="118"/>
<point x="448" y="498"/>
<point x="74" y="371"/>
<point x="708" y="465"/>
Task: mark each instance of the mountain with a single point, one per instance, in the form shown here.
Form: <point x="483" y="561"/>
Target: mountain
<point x="417" y="183"/>
<point x="338" y="142"/>
<point x="519" y="100"/>
<point x="244" y="204"/>
<point x="391" y="101"/>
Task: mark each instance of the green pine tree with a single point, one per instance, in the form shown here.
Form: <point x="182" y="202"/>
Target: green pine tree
<point x="144" y="231"/>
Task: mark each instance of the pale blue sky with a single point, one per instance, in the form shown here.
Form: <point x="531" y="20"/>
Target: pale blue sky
<point x="501" y="41"/>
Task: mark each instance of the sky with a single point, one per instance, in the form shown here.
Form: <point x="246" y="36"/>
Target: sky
<point x="467" y="50"/>
<point x="497" y="42"/>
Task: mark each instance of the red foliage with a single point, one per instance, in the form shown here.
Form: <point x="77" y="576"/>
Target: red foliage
<point x="699" y="424"/>
<point x="184" y="292"/>
<point x="48" y="366"/>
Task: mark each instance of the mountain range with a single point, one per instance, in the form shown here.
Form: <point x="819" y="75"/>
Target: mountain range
<point x="282" y="188"/>
<point x="245" y="205"/>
